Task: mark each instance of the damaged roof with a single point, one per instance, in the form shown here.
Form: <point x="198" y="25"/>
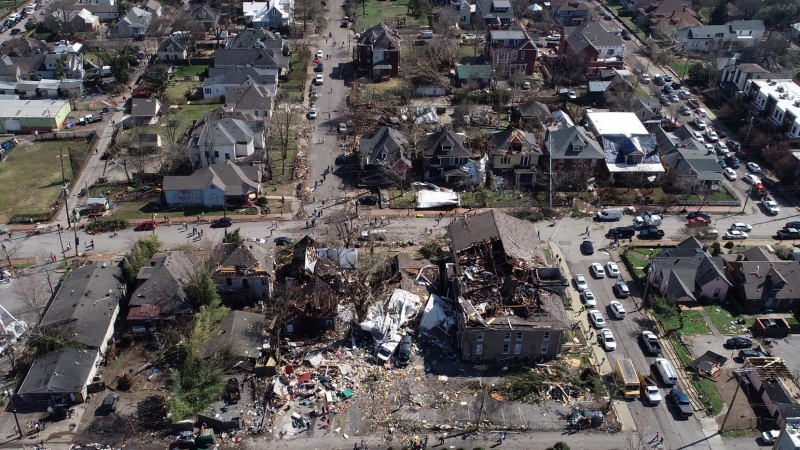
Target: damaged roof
<point x="517" y="234"/>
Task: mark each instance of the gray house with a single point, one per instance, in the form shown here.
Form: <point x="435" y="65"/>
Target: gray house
<point x="211" y="186"/>
<point x="87" y="304"/>
<point x="220" y="78"/>
<point x="258" y="38"/>
<point x="494" y="13"/>
<point x="688" y="273"/>
<point x="172" y="48"/>
<point x="571" y="150"/>
<point x="61" y="376"/>
<point x="249" y="99"/>
<point x="227" y="139"/>
<point x="134" y="23"/>
<point x="245" y="271"/>
<point x="443" y="153"/>
<point x="260" y="58"/>
<point x="160" y="294"/>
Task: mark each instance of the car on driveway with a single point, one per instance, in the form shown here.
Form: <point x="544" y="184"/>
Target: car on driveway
<point x="587" y="247"/>
<point x="597" y="270"/>
<point x="734" y="234"/>
<point x="729" y="174"/>
<point x="597" y="318"/>
<point x="612" y="269"/>
<point x="674" y="98"/>
<point x="749" y="178"/>
<point x="751" y="353"/>
<point x="588" y="297"/>
<point x="753" y="167"/>
<point x="617" y="309"/>
<point x="742" y="227"/>
<point x="607" y="338"/>
<point x="622" y="289"/>
<point x="580" y="283"/>
<point x="739" y="342"/>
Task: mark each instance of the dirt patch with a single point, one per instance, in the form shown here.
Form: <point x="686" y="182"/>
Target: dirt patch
<point x="742" y="415"/>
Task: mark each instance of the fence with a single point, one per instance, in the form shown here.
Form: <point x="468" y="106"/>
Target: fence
<point x="62" y="135"/>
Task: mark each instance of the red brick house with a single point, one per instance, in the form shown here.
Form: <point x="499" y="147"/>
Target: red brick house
<point x="511" y="51"/>
<point x="379" y="52"/>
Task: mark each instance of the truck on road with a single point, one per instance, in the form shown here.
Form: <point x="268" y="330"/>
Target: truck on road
<point x="608" y="215"/>
<point x="647" y="220"/>
<point x="651" y="233"/>
<point x="628" y="378"/>
<point x="651" y="342"/>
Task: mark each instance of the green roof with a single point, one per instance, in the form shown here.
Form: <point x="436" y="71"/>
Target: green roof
<point x="472" y="72"/>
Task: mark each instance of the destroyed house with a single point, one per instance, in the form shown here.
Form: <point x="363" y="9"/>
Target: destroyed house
<point x="313" y="310"/>
<point x="502" y="311"/>
<point x="776" y="386"/>
<point x="244" y="269"/>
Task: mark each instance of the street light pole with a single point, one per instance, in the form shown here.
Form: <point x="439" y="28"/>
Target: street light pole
<point x="63" y="253"/>
<point x="10" y="395"/>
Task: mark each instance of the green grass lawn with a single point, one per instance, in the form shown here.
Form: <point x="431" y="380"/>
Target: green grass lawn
<point x="177" y="90"/>
<point x="31" y="177"/>
<point x="468" y="51"/>
<point x="185" y="114"/>
<point x="143" y="210"/>
<point x="722" y="317"/>
<point x="191" y="71"/>
<point x="383" y="11"/>
<point x="680" y="350"/>
<point x="709" y="396"/>
<point x="693" y="323"/>
<point x="638" y="258"/>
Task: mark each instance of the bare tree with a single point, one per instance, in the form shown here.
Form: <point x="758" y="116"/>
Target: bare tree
<point x="34" y="294"/>
<point x="432" y="62"/>
<point x="10" y="249"/>
<point x="445" y="20"/>
<point x="621" y="95"/>
<point x="282" y="130"/>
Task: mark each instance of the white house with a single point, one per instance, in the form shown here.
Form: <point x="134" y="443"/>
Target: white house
<point x="465" y="11"/>
<point x="276" y="15"/>
<point x="779" y="101"/>
<point x="253" y="9"/>
<point x="215" y="85"/>
<point x="99" y="2"/>
<point x="153" y="7"/>
<point x="220" y="141"/>
<point x="134" y="23"/>
<point x="172" y="48"/>
<point x="732" y="36"/>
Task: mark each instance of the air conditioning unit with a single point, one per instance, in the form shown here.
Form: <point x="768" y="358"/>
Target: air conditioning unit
<point x="780" y="88"/>
<point x="797" y="103"/>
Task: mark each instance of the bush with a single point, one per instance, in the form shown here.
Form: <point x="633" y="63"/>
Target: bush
<point x="261" y="201"/>
<point x="126" y="340"/>
<point x="729" y="245"/>
<point x="102" y="226"/>
<point x="783" y="252"/>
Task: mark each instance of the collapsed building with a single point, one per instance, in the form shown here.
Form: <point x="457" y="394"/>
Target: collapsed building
<point x="508" y="302"/>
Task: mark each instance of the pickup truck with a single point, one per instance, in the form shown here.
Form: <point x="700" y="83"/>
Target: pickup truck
<point x="789" y="233"/>
<point x="681" y="401"/>
<point x="651" y="342"/>
<point x="651" y="233"/>
<point x="770" y="205"/>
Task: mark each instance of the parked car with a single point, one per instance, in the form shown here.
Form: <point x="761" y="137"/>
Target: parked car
<point x="617" y="309"/>
<point x="712" y="136"/>
<point x="751" y="179"/>
<point x="653" y="394"/>
<point x="734" y="235"/>
<point x="699" y="214"/>
<point x="368" y="200"/>
<point x="588" y="297"/>
<point x="739" y="342"/>
<point x="403" y="356"/>
<point x="742" y="227"/>
<point x="753" y="167"/>
<point x="769" y="183"/>
<point x="319" y="79"/>
<point x="283" y="240"/>
<point x="681" y="401"/>
<point x="721" y="148"/>
<point x="769" y="436"/>
<point x="224" y="222"/>
<point x="673" y="97"/>
<point x="312" y="113"/>
<point x="735" y="146"/>
<point x="146" y="225"/>
<point x="729" y="174"/>
<point x="622" y="289"/>
<point x="597" y="270"/>
<point x="793" y="224"/>
<point x="580" y="283"/>
<point x="733" y="160"/>
<point x="686" y="111"/>
<point x="597" y="318"/>
<point x="612" y="269"/>
<point x="587" y="247"/>
<point x="607" y="339"/>
<point x="751" y="353"/>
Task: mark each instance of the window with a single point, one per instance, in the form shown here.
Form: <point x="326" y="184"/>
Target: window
<point x="507" y="337"/>
<point x="208" y="90"/>
<point x="519" y="335"/>
<point x="245" y="283"/>
<point x="719" y="35"/>
<point x="505" y="349"/>
<point x="194" y="195"/>
<point x="517" y="349"/>
<point x="256" y="111"/>
<point x="544" y="349"/>
<point x="524" y="160"/>
<point x="207" y="154"/>
<point x="480" y="337"/>
<point x="521" y="55"/>
<point x="213" y="198"/>
<point x="228" y="156"/>
<point x="560" y="163"/>
<point x="216" y="154"/>
<point x="503" y="56"/>
<point x="478" y="349"/>
<point x="514" y="55"/>
<point x="328" y="322"/>
<point x="716" y="293"/>
<point x="505" y="160"/>
<point x="610" y="52"/>
<point x="174" y="195"/>
<point x="547" y="336"/>
<point x="229" y="281"/>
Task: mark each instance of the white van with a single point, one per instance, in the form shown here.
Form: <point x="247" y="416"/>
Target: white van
<point x="667" y="371"/>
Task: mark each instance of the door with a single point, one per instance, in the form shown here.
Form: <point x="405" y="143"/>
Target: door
<point x="13" y="126"/>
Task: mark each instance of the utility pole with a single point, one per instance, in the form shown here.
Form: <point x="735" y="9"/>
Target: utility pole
<point x="60" y="241"/>
<point x="747" y="197"/>
<point x="225" y="203"/>
<point x="739" y="381"/>
<point x="64" y="186"/>
<point x="550" y="165"/>
<point x="10" y="394"/>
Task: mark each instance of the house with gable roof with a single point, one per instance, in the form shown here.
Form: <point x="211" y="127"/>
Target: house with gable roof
<point x="382" y="149"/>
<point x="687" y="161"/>
<point x="571" y="149"/>
<point x="160" y="296"/>
<point x="251" y="99"/>
<point x="730" y="37"/>
<point x="134" y="23"/>
<point x="493" y="13"/>
<point x="214" y="186"/>
<point x="227" y="139"/>
<point x="514" y="155"/>
<point x="172" y="48"/>
<point x="511" y="51"/>
<point x="378" y="51"/>
<point x="260" y="58"/>
<point x="762" y="282"/>
<point x="630" y="150"/>
<point x="274" y="14"/>
<point x="246" y="271"/>
<point x="593" y="46"/>
<point x="688" y="273"/>
<point x="205" y="15"/>
<point x="221" y="79"/>
<point x="570" y="12"/>
<point x="443" y="153"/>
<point x="673" y="14"/>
